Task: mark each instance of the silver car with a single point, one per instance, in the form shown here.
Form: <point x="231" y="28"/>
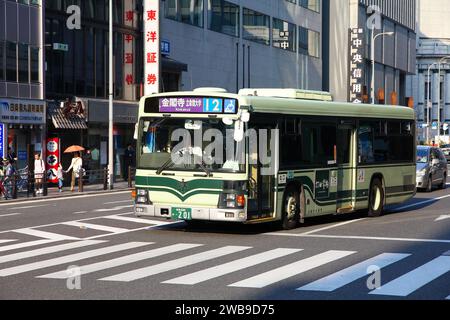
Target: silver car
<point x="431" y="168"/>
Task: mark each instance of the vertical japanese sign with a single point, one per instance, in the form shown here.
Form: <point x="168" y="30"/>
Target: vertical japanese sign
<point x="356" y="79"/>
<point x="152" y="47"/>
<point x="129" y="56"/>
<point x="2" y="140"/>
<point x="53" y="159"/>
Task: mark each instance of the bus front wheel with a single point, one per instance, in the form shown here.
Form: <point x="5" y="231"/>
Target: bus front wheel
<point x="376" y="198"/>
<point x="291" y="209"/>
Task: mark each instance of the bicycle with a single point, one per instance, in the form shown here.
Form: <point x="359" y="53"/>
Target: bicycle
<point x="22" y="182"/>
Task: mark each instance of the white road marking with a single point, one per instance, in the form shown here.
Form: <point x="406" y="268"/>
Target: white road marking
<point x="80" y="212"/>
<point x="10" y="214"/>
<point x="70" y="258"/>
<point x="421" y="203"/>
<point x="25" y="245"/>
<point x="113" y="209"/>
<point x="357" y="238"/>
<point x="116" y="202"/>
<point x="71" y="197"/>
<point x="415" y="279"/>
<point x="45" y="234"/>
<point x="344" y="277"/>
<point x="290" y="270"/>
<point x="174" y="264"/>
<point x="85" y="225"/>
<point x="6" y="240"/>
<point x="232" y="266"/>
<point x="47" y="250"/>
<point x="443" y="217"/>
<point x="125" y="260"/>
<point x="333" y="226"/>
<point x="29" y="207"/>
<point x="130" y="219"/>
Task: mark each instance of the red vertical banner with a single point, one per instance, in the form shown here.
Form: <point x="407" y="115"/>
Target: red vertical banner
<point x="152" y="47"/>
<point x="53" y="159"/>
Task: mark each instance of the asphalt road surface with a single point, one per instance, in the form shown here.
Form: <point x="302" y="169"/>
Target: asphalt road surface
<point x="46" y="244"/>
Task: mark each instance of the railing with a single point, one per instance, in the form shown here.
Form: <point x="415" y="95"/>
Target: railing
<point x="27" y="184"/>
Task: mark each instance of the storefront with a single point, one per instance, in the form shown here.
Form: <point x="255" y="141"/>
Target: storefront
<point x="23" y="123"/>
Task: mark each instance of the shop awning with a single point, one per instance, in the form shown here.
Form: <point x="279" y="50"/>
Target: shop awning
<point x="170" y="65"/>
<point x="61" y="121"/>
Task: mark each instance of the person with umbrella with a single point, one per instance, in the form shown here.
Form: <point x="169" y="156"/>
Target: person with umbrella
<point x="76" y="164"/>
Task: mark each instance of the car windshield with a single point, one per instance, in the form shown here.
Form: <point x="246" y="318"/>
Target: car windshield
<point x="180" y="144"/>
<point x="422" y="155"/>
<point x="446" y="146"/>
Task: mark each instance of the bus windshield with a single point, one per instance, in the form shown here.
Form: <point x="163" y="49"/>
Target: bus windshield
<point x="204" y="145"/>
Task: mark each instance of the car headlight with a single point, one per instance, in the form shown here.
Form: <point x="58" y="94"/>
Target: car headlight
<point x="422" y="172"/>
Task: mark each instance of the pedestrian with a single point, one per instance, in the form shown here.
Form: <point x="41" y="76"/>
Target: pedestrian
<point x="11" y="156"/>
<point x="87" y="159"/>
<point x="60" y="176"/>
<point x="129" y="157"/>
<point x="39" y="171"/>
<point x="76" y="166"/>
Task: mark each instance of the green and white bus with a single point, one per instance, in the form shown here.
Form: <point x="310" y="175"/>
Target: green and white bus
<point x="310" y="156"/>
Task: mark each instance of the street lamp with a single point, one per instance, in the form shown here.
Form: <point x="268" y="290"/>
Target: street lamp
<point x="111" y="96"/>
<point x="429" y="101"/>
<point x="439" y="97"/>
<point x="373" y="59"/>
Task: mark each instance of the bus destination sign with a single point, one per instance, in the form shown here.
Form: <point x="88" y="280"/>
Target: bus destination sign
<point x="198" y="105"/>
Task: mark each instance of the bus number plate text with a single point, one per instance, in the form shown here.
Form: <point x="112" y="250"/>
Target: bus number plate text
<point x="181" y="214"/>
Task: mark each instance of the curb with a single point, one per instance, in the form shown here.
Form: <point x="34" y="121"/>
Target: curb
<point x="74" y="194"/>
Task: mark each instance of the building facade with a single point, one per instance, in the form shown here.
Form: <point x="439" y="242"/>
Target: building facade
<point x="349" y="76"/>
<point x="236" y="44"/>
<point x="431" y="89"/>
<point x="22" y="104"/>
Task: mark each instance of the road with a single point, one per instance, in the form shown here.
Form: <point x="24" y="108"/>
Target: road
<point x="124" y="257"/>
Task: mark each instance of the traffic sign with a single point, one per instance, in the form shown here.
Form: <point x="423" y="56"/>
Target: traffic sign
<point x="61" y="47"/>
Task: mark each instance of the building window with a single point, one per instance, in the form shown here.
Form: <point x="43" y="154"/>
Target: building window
<point x="186" y="11"/>
<point x="90" y="62"/>
<point x="34" y="64"/>
<point x="309" y="42"/>
<point x="283" y="35"/>
<point x="313" y="5"/>
<point x="293" y="1"/>
<point x="223" y="17"/>
<point x="303" y="43"/>
<point x="256" y="27"/>
<point x="11" y="61"/>
<point x="2" y="61"/>
<point x="23" y="63"/>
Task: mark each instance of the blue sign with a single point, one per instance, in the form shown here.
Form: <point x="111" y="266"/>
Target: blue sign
<point x="22" y="155"/>
<point x="211" y="105"/>
<point x="230" y="106"/>
<point x="165" y="47"/>
<point x="2" y="142"/>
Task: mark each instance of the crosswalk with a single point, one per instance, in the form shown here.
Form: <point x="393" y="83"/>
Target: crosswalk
<point x="121" y="263"/>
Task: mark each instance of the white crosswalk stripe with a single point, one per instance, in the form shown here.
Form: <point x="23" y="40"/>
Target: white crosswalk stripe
<point x="175" y="264"/>
<point x="130" y="219"/>
<point x="45" y="234"/>
<point x="70" y="258"/>
<point x="353" y="273"/>
<point x="290" y="270"/>
<point x="94" y="226"/>
<point x="232" y="266"/>
<point x="415" y="279"/>
<point x="47" y="250"/>
<point x="125" y="260"/>
<point x="6" y="240"/>
<point x="25" y="245"/>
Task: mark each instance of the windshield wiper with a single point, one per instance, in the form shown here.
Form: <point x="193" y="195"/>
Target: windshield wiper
<point x="204" y="168"/>
<point x="165" y="166"/>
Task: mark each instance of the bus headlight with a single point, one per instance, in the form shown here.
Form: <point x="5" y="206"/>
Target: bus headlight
<point x="142" y="196"/>
<point x="231" y="201"/>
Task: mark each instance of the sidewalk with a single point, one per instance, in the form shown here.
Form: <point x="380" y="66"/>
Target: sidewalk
<point x="53" y="192"/>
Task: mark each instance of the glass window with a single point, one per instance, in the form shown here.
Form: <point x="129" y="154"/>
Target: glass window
<point x="23" y="62"/>
<point x="314" y="43"/>
<point x="54" y="4"/>
<point x="2" y="61"/>
<point x="118" y="11"/>
<point x="88" y="11"/>
<point x="365" y="143"/>
<point x="11" y="61"/>
<point x="186" y="11"/>
<point x="79" y="49"/>
<point x="24" y="1"/>
<point x="283" y="35"/>
<point x="293" y="1"/>
<point x="90" y="62"/>
<point x="34" y="64"/>
<point x="223" y="17"/>
<point x="313" y="5"/>
<point x="119" y="55"/>
<point x="256" y="27"/>
<point x="100" y="63"/>
<point x="100" y="9"/>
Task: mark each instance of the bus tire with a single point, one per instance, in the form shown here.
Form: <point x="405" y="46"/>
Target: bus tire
<point x="376" y="198"/>
<point x="291" y="209"/>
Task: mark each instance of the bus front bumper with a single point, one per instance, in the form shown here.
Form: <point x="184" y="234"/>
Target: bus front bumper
<point x="205" y="214"/>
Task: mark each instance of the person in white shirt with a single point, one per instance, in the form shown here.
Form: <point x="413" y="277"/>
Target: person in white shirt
<point x="76" y="167"/>
<point x="39" y="170"/>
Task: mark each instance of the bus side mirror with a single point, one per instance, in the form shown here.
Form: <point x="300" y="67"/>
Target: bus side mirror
<point x="245" y="117"/>
<point x="238" y="131"/>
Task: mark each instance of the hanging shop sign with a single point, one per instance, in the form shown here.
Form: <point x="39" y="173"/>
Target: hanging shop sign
<point x="356" y="61"/>
<point x="152" y="47"/>
<point x="53" y="159"/>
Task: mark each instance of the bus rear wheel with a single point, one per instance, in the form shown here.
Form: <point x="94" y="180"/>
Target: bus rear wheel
<point x="376" y="198"/>
<point x="291" y="209"/>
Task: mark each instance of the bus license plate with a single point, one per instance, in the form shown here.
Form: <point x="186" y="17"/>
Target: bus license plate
<point x="181" y="214"/>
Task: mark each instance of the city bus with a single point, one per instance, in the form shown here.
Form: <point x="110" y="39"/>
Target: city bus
<point x="270" y="155"/>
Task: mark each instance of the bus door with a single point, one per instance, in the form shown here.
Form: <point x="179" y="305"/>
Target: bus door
<point x="346" y="158"/>
<point x="261" y="195"/>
